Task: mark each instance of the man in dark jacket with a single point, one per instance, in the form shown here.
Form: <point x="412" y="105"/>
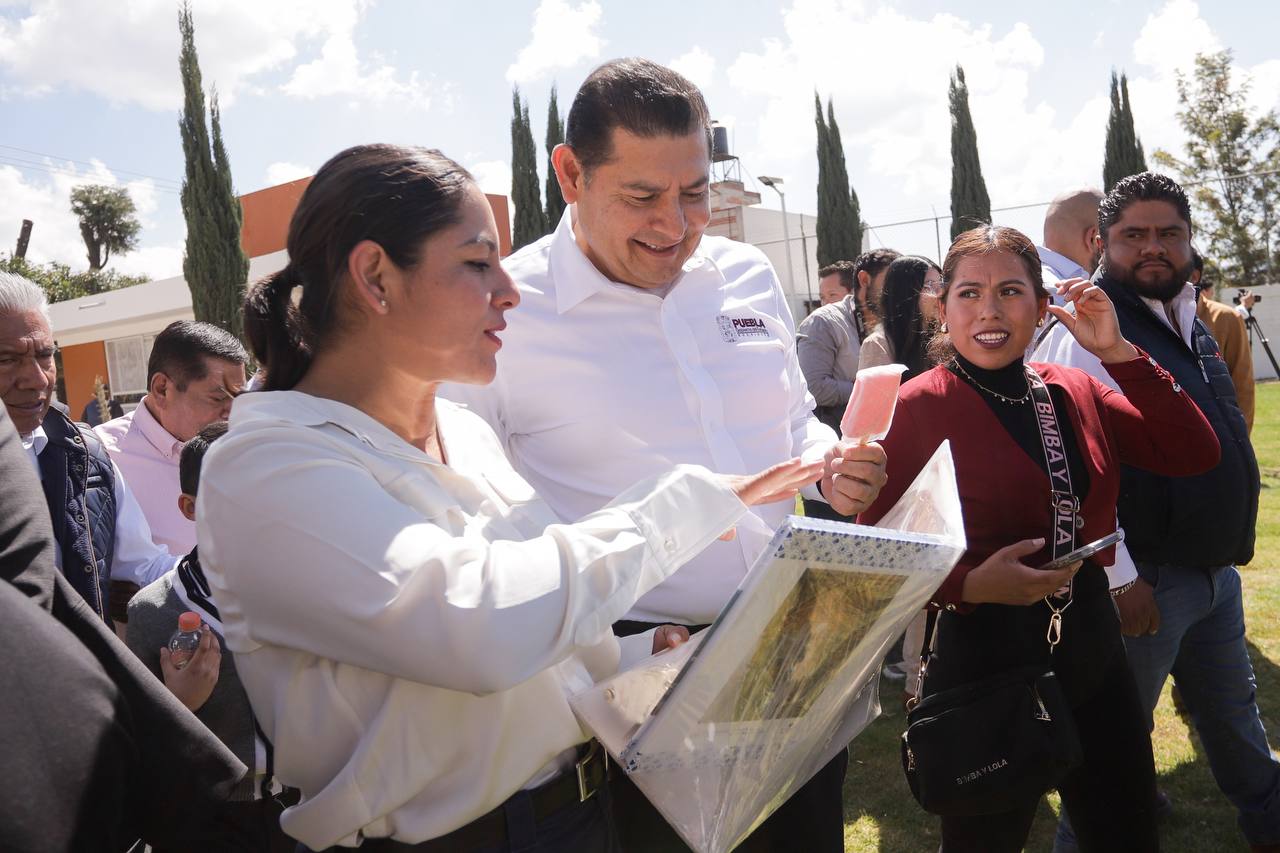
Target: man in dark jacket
<point x="1183" y="614"/>
<point x="97" y="753"/>
<point x="100" y="534"/>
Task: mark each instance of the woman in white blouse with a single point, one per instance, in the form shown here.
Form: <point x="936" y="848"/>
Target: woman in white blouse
<point x="407" y="617"/>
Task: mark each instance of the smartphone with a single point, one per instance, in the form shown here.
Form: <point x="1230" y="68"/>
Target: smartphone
<point x="1085" y="551"/>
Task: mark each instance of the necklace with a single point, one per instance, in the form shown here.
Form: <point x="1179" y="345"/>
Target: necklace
<point x="1012" y="401"/>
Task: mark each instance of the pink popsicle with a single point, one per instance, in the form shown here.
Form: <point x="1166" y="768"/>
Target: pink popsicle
<point x="870" y="410"/>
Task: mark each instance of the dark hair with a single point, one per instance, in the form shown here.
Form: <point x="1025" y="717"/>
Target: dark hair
<point x="396" y="196"/>
<point x="1197" y="260"/>
<point x="874" y="261"/>
<point x="180" y="350"/>
<point x="639" y="96"/>
<point x="192" y="456"/>
<point x="1144" y="186"/>
<point x="904" y="325"/>
<point x="844" y="269"/>
<point x="977" y="242"/>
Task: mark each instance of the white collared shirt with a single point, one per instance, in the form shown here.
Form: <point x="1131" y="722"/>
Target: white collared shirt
<point x="408" y="631"/>
<point x="135" y="557"/>
<point x="1059" y="346"/>
<point x="600" y="384"/>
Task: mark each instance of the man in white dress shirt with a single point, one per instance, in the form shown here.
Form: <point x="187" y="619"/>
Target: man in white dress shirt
<point x="1070" y="248"/>
<point x="640" y="343"/>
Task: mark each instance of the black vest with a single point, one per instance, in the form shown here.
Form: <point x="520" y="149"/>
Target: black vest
<point x="1208" y="520"/>
<point x="79" y="486"/>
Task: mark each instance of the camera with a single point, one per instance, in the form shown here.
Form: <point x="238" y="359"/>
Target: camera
<point x="1243" y="292"/>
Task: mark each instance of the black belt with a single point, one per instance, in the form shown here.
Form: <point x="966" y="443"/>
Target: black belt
<point x="490" y="830"/>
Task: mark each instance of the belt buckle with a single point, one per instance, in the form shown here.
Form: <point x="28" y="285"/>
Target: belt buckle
<point x="582" y="766"/>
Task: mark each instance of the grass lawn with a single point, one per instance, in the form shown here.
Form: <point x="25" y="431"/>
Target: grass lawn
<point x="881" y="815"/>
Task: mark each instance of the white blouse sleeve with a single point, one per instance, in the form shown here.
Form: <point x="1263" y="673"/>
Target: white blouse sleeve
<point x="319" y="557"/>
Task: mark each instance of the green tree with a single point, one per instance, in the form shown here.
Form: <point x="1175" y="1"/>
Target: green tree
<point x="1124" y="156"/>
<point x="59" y="283"/>
<point x="530" y="221"/>
<point x="1226" y="149"/>
<point x="555" y="136"/>
<point x="107" y="222"/>
<point x="970" y="204"/>
<point x="214" y="264"/>
<point x="839" y="227"/>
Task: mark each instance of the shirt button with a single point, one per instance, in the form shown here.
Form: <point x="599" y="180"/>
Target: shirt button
<point x="79" y="516"/>
<point x="670" y="544"/>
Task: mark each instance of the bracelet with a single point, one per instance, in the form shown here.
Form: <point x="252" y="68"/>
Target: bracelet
<point x="1121" y="590"/>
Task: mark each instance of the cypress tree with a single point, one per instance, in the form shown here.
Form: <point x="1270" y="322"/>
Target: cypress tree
<point x="530" y="221"/>
<point x="839" y="228"/>
<point x="1124" y="155"/>
<point x="214" y="264"/>
<point x="849" y="234"/>
<point x="555" y="136"/>
<point x="970" y="204"/>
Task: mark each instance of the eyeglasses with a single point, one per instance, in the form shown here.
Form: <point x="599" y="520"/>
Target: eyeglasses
<point x="13" y="362"/>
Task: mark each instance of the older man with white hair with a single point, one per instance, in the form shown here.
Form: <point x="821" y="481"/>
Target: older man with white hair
<point x="100" y="534"/>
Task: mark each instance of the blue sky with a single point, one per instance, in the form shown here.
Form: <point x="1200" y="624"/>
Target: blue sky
<point x="88" y="95"/>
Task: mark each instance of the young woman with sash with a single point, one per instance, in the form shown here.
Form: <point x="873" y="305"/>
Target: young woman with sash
<point x="1038" y="450"/>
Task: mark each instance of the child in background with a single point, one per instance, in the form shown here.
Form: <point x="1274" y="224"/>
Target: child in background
<point x="208" y="684"/>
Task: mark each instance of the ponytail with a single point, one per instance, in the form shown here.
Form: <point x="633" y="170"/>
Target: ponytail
<point x="275" y="329"/>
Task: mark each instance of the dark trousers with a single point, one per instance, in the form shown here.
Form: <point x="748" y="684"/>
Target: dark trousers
<point x="1109" y="797"/>
<point x="577" y="828"/>
<point x="246" y="827"/>
<point x="812" y="820"/>
<point x="822" y="509"/>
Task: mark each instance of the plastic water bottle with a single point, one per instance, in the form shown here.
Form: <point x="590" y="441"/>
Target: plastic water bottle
<point x="185" y="641"/>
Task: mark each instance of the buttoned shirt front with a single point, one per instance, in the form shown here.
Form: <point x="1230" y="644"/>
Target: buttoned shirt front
<point x="148" y="455"/>
<point x="407" y="631"/>
<point x="600" y="384"/>
<point x="136" y="558"/>
<point x="1059" y="346"/>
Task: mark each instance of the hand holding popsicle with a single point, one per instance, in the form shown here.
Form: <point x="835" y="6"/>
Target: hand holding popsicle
<point x="853" y="473"/>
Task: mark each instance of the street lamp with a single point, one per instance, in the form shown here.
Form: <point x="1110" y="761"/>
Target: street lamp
<point x="775" y="184"/>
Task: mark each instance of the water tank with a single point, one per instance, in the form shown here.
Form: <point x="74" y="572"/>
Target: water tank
<point x="720" y="143"/>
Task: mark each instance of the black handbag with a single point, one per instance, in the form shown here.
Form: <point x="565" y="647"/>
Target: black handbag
<point x="986" y="747"/>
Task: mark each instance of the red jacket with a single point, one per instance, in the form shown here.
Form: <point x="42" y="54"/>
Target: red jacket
<point x="1004" y="493"/>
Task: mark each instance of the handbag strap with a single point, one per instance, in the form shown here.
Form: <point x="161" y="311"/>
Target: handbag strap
<point x="1064" y="503"/>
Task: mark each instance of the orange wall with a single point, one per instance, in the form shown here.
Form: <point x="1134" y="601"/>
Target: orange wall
<point x="80" y="364"/>
<point x="267" y="212"/>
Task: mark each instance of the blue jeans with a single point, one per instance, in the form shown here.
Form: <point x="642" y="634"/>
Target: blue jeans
<point x="1201" y="643"/>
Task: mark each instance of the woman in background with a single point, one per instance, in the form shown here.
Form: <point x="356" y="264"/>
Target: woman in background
<point x="908" y="317"/>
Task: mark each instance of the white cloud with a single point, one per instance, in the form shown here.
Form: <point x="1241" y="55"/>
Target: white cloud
<point x="698" y="65"/>
<point x="283" y="173"/>
<point x="44" y="198"/>
<point x="563" y="36"/>
<point x="339" y="71"/>
<point x="1171" y="38"/>
<point x="493" y="176"/>
<point x="128" y="52"/>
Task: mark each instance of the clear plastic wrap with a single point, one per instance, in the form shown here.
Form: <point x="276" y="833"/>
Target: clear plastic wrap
<point x="721" y="731"/>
